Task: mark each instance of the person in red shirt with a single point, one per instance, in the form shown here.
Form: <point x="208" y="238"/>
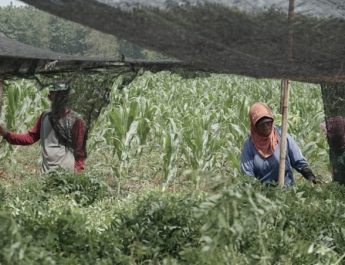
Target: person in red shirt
<point x="61" y="130"/>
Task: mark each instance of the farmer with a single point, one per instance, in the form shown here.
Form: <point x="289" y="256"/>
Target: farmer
<point x="335" y="129"/>
<point x="261" y="151"/>
<point x="62" y="133"/>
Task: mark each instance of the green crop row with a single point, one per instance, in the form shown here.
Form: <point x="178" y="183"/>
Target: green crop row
<point x="163" y="185"/>
<point x="61" y="219"/>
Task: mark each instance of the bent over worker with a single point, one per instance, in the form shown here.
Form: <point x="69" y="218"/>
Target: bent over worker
<point x="260" y="154"/>
<point x="61" y="130"/>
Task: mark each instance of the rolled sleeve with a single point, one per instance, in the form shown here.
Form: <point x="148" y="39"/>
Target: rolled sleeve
<point x="297" y="160"/>
<point x="79" y="143"/>
<point x="26" y="138"/>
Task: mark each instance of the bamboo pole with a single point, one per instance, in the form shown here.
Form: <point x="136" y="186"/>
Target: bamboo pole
<point x="284" y="108"/>
<point x="284" y="101"/>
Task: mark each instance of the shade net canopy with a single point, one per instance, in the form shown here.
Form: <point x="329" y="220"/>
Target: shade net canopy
<point x="89" y="80"/>
<point x="17" y="58"/>
<point x="20" y="59"/>
<point x="253" y="38"/>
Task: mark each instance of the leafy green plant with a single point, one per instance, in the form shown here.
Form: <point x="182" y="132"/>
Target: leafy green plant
<point x="85" y="189"/>
<point x="154" y="229"/>
<point x="22" y="106"/>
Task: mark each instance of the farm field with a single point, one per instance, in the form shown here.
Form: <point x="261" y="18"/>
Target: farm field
<point x="163" y="185"/>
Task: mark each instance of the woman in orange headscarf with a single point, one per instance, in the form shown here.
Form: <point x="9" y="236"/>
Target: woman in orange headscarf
<point x="260" y="154"/>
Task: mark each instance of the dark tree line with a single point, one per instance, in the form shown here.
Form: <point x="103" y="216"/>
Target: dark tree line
<point x="40" y="29"/>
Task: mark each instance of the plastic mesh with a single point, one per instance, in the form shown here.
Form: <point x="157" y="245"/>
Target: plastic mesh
<point x="252" y="38"/>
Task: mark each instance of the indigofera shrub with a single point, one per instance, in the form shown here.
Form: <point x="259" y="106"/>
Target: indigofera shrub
<point x="161" y="224"/>
<point x="84" y="188"/>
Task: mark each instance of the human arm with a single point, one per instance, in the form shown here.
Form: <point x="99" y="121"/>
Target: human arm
<point x="298" y="161"/>
<point x="247" y="159"/>
<point x="79" y="144"/>
<point x="26" y="138"/>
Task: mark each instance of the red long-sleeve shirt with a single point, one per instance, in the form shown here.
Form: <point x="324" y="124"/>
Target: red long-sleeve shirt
<point x="33" y="135"/>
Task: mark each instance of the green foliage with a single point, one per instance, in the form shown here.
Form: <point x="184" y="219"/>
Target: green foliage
<point x="25" y="24"/>
<point x="66" y="37"/>
<point x="130" y="50"/>
<point x="22" y="105"/>
<point x="40" y="29"/>
<point x="246" y="223"/>
<point x="184" y="134"/>
<point x="9" y="235"/>
<point x="160" y="225"/>
<point x="23" y="100"/>
<point x="83" y="188"/>
<point x="253" y="224"/>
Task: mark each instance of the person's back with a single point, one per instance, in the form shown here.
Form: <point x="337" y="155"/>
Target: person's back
<point x="55" y="154"/>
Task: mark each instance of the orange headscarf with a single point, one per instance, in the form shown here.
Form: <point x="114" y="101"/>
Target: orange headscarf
<point x="265" y="145"/>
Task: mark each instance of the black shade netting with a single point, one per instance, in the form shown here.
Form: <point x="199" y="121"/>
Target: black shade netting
<point x="333" y="96"/>
<point x="255" y="38"/>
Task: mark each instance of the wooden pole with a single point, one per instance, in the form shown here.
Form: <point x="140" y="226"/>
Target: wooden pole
<point x="284" y="101"/>
<point x="284" y="107"/>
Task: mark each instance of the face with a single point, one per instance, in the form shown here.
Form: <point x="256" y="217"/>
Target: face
<point x="264" y="128"/>
<point x="56" y="95"/>
<point x="52" y="95"/>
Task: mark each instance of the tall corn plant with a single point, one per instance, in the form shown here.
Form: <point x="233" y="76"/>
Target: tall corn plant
<point x="237" y="128"/>
<point x="201" y="143"/>
<point x="145" y="118"/>
<point x="23" y="103"/>
<point x="306" y="117"/>
<point x="171" y="142"/>
<point x="129" y="123"/>
<point x="122" y="129"/>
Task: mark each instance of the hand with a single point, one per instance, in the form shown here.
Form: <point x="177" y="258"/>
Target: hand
<point x="3" y="130"/>
<point x="317" y="181"/>
<point x="309" y="175"/>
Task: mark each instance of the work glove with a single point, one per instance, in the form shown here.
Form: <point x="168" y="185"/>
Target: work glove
<point x="309" y="175"/>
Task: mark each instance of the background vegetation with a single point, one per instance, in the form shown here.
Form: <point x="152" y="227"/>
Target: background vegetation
<point x="40" y="29"/>
<point x="163" y="185"/>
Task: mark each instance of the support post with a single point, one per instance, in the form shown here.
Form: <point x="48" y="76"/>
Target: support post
<point x="284" y="107"/>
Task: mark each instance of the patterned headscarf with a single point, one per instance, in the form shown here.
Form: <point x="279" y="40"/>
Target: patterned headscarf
<point x="265" y="145"/>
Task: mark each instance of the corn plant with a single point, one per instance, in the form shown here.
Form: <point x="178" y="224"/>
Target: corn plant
<point x="171" y="141"/>
<point x="23" y="103"/>
<point x="122" y="129"/>
<point x="145" y="120"/>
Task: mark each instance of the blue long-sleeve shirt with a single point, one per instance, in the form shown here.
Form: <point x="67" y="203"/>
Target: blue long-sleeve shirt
<point x="267" y="169"/>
